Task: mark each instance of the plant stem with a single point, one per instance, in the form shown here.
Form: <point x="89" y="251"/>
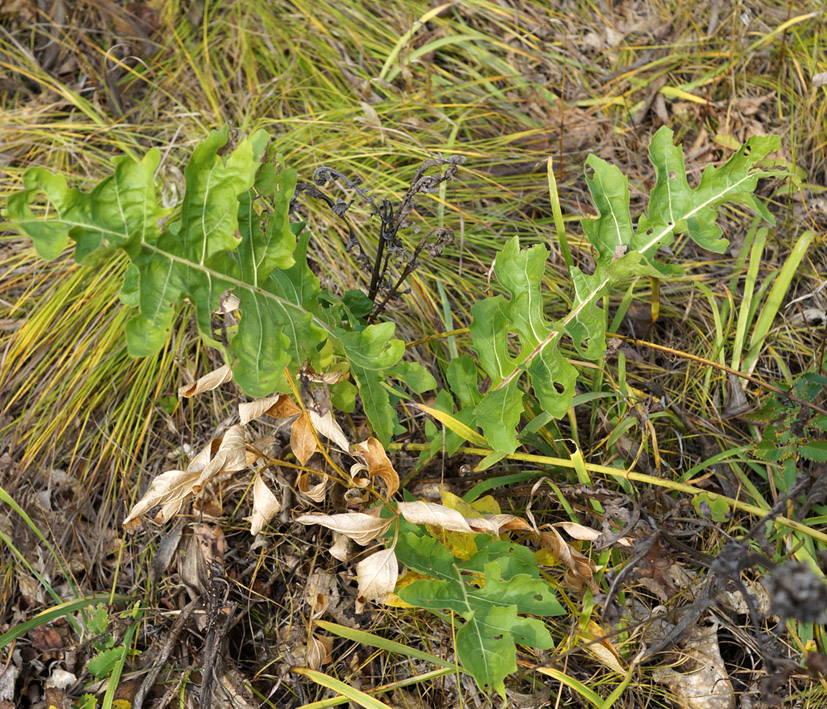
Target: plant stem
<point x="631" y="477"/>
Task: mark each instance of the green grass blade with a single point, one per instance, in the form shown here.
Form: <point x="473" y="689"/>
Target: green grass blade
<point x="775" y="299"/>
<point x="55" y="612"/>
<point x="418" y="679"/>
<point x="360" y="636"/>
<point x="756" y="252"/>
<point x="362" y="699"/>
<point x="574" y="684"/>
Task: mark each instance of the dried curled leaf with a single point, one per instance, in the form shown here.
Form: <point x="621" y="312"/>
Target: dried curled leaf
<point x="326" y="426"/>
<point x="376" y="577"/>
<point x="319" y="649"/>
<point x="302" y="439"/>
<point x="211" y="380"/>
<point x="361" y="527"/>
<point x="341" y="549"/>
<point x="265" y="506"/>
<point x="430" y="513"/>
<point x="420" y="512"/>
<point x="379" y="466"/>
<point x="172" y="488"/>
<point x="278" y="406"/>
<point x="315" y="492"/>
<point x="578" y="531"/>
<point x="701" y="681"/>
<point x="580" y="572"/>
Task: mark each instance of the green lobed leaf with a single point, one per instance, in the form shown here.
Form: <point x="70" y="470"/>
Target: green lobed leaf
<point x="588" y="329"/>
<point x="414" y="375"/>
<point x="611" y="232"/>
<point x="498" y="415"/>
<point x="622" y="252"/>
<point x="675" y="208"/>
<point x="491" y="603"/>
<point x="489" y="330"/>
<point x="461" y="374"/>
<point x="217" y="243"/>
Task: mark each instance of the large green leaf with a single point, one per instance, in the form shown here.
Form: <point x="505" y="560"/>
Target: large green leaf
<point x="492" y="603"/>
<point x="621" y="252"/>
<point x="217" y="242"/>
<point x="675" y="208"/>
<point x="520" y="272"/>
<point x="611" y="232"/>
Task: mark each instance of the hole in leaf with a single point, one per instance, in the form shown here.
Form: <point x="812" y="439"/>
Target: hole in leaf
<point x="673" y="175"/>
<point x="585" y="343"/>
<point x="559" y="388"/>
<point x="538" y="597"/>
<point x="747" y="150"/>
<point x="498" y="637"/>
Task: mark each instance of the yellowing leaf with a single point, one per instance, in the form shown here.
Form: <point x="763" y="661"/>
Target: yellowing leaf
<point x="486" y="505"/>
<point x="394" y="601"/>
<point x="453" y="502"/>
<point x="604" y="651"/>
<point x="209" y="381"/>
<point x="265" y="506"/>
<point x="376" y="577"/>
<point x="361" y="527"/>
<point x="302" y="440"/>
<point x="455" y="425"/>
<point x="372" y="452"/>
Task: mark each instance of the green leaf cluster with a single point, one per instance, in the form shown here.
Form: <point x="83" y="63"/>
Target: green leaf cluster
<point x="220" y="240"/>
<point x="512" y="338"/>
<point x="793" y="431"/>
<point x="492" y="592"/>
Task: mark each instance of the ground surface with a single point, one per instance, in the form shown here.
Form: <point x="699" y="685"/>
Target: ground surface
<point x="372" y="89"/>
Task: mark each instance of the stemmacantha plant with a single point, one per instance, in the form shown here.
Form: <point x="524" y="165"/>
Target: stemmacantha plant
<point x="231" y="248"/>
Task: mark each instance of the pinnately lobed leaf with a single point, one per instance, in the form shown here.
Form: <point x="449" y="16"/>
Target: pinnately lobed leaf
<point x="217" y="242"/>
<point x="493" y="592"/>
<point x="622" y="251"/>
